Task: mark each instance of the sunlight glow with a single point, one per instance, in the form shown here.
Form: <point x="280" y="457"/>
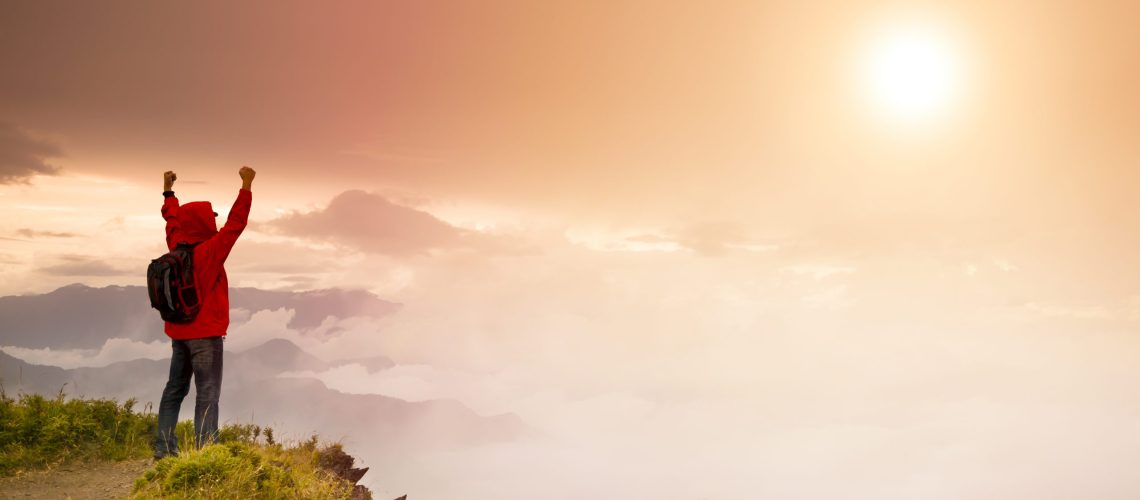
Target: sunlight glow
<point x="911" y="73"/>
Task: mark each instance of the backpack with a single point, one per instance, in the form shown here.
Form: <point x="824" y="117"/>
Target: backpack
<point x="170" y="283"/>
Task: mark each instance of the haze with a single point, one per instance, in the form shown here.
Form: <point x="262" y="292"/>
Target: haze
<point x="688" y="242"/>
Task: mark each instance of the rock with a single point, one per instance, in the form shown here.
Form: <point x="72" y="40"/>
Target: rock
<point x="335" y="460"/>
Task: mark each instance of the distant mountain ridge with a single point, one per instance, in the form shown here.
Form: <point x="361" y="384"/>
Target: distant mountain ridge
<point x="81" y="317"/>
<point x="281" y="355"/>
<point x="251" y="390"/>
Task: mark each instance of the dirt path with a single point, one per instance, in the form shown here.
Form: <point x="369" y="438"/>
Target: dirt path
<point x="96" y="480"/>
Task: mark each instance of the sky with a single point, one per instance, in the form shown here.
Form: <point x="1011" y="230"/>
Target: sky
<point x="674" y="217"/>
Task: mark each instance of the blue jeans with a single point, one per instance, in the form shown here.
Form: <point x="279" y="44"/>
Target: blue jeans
<point x="201" y="358"/>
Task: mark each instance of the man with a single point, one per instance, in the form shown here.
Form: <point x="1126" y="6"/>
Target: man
<point x="197" y="345"/>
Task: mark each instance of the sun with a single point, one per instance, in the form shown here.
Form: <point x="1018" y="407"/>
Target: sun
<point x="911" y="72"/>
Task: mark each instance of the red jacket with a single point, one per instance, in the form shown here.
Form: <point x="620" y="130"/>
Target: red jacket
<point x="194" y="223"/>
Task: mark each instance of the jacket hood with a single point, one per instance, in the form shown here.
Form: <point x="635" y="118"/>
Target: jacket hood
<point x="196" y="222"/>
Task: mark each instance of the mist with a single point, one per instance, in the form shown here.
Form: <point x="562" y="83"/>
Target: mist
<point x="794" y="381"/>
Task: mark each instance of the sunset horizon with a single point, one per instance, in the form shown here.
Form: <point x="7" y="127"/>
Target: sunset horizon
<point x="735" y="249"/>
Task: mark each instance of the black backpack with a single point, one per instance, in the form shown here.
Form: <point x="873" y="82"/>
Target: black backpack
<point x="170" y="283"/>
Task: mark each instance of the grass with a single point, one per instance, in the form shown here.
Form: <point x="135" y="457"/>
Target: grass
<point x="37" y="432"/>
<point x="244" y="465"/>
<point x="245" y="462"/>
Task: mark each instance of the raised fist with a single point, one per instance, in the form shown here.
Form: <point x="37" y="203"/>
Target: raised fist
<point x="247" y="174"/>
<point x="168" y="179"/>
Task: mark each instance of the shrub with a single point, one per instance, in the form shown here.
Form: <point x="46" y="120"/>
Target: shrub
<point x="246" y="462"/>
<point x="242" y="468"/>
<point x="36" y="431"/>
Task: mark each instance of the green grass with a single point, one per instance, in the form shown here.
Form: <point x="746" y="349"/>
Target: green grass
<point x="37" y="432"/>
<point x="246" y="462"/>
<point x="242" y="466"/>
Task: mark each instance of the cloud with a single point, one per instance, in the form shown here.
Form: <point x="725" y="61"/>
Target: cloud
<point x="113" y="350"/>
<point x="32" y="233"/>
<point x="314" y="308"/>
<point x="719" y="238"/>
<point x="356" y="338"/>
<point x="835" y="297"/>
<point x="820" y="271"/>
<point x="1005" y="265"/>
<point x="371" y="223"/>
<point x="93" y="315"/>
<point x="896" y="408"/>
<point x="22" y="156"/>
<point x="649" y="238"/>
<point x="78" y="265"/>
<point x="1094" y="312"/>
<point x="708" y="239"/>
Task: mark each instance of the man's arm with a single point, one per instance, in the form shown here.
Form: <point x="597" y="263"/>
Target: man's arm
<point x="170" y="208"/>
<point x="247" y="174"/>
<point x="218" y="247"/>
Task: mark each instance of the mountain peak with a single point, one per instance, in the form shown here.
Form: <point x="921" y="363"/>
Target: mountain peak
<point x="284" y="355"/>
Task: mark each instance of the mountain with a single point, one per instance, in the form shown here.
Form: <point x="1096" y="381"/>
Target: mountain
<point x="253" y="392"/>
<point x="17" y="375"/>
<point x="372" y="364"/>
<point x="77" y="317"/>
<point x="304" y="406"/>
<point x="312" y="307"/>
<point x="279" y="355"/>
<point x="81" y="317"/>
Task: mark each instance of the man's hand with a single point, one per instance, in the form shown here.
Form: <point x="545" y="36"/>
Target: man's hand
<point x="168" y="179"/>
<point x="247" y="175"/>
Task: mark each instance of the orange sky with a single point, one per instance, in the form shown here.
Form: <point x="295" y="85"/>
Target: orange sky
<point x="733" y="123"/>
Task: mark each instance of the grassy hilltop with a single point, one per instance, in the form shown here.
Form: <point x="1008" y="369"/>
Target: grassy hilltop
<point x="246" y="462"/>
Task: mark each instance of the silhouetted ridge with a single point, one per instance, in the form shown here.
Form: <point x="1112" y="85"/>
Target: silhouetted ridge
<point x="81" y="317"/>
